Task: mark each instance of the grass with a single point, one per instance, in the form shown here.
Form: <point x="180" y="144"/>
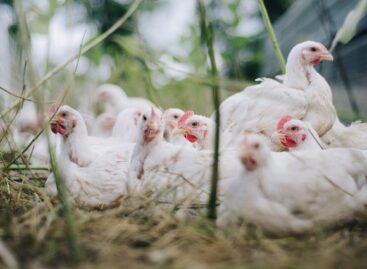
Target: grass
<point x="139" y="232"/>
<point x="207" y="34"/>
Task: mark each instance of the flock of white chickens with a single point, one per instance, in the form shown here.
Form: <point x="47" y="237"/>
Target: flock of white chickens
<point x="287" y="164"/>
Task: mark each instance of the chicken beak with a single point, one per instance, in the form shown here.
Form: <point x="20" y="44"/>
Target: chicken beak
<point x="58" y="126"/>
<point x="248" y="161"/>
<point x="54" y="124"/>
<point x="277" y="137"/>
<point x="151" y="131"/>
<point x="179" y="130"/>
<point x="326" y="56"/>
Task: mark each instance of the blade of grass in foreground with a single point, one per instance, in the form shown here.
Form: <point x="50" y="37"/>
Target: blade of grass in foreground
<point x="207" y="36"/>
<point x="271" y="34"/>
<point x="62" y="192"/>
<point x="66" y="208"/>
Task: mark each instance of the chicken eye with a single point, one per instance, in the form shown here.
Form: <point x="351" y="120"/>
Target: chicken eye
<point x="256" y="146"/>
<point x="175" y="117"/>
<point x="63" y="114"/>
<point x="313" y="49"/>
<point x="144" y="118"/>
<point x="294" y="128"/>
<point x="194" y="124"/>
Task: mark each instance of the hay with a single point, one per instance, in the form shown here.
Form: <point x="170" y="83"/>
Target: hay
<point x="143" y="233"/>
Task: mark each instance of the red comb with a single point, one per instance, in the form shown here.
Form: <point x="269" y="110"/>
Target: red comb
<point x="283" y="121"/>
<point x="53" y="108"/>
<point x="184" y="117"/>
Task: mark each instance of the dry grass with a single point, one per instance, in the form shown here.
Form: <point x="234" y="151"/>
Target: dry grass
<point x="138" y="232"/>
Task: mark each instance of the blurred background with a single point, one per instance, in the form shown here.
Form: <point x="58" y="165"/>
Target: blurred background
<point x="158" y="52"/>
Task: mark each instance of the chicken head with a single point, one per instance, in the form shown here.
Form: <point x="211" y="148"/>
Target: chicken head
<point x="313" y="52"/>
<point x="254" y="152"/>
<point x="151" y="125"/>
<point x="171" y="117"/>
<point x="64" y="121"/>
<point x="195" y="128"/>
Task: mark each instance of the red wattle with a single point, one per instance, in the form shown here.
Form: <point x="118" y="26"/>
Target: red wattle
<point x="57" y="128"/>
<point x="190" y="137"/>
<point x="316" y="61"/>
<point x="61" y="130"/>
<point x="288" y="142"/>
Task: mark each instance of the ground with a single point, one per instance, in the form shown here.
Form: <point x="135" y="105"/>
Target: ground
<point x="138" y="233"/>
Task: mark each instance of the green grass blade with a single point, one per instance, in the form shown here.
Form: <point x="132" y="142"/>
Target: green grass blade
<point x="271" y="34"/>
<point x="208" y="37"/>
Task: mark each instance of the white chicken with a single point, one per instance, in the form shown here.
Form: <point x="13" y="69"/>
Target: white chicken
<point x="304" y="94"/>
<point x="171" y="117"/>
<point x="100" y="183"/>
<point x="294" y="192"/>
<point x="39" y="153"/>
<point x="296" y="135"/>
<point x="197" y="129"/>
<point x="81" y="148"/>
<point x="126" y="126"/>
<point x="103" y="125"/>
<point x="116" y="100"/>
<point x="27" y="120"/>
<point x="95" y="174"/>
<point x="22" y="130"/>
<point x="183" y="171"/>
<point x="353" y="136"/>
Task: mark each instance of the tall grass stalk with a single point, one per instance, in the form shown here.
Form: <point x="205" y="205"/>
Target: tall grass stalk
<point x="24" y="40"/>
<point x="91" y="44"/>
<point x="66" y="204"/>
<point x="62" y="192"/>
<point x="271" y="34"/>
<point x="208" y="37"/>
<point x="19" y="167"/>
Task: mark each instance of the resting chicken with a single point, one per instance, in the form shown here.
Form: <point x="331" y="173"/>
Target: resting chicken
<point x="94" y="169"/>
<point x="304" y="94"/>
<point x="116" y="100"/>
<point x="294" y="192"/>
<point x="178" y="171"/>
<point x="353" y="136"/>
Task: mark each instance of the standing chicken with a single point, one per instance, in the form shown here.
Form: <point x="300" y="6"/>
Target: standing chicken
<point x="116" y="99"/>
<point x="295" y="192"/>
<point x="304" y="94"/>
